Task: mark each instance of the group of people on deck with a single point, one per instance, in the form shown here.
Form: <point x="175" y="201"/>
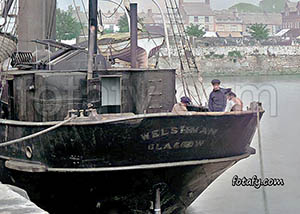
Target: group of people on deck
<point x="219" y="99"/>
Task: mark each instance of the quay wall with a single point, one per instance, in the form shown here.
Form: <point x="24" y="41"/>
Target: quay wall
<point x="233" y="60"/>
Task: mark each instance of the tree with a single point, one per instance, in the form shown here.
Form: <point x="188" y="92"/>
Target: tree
<point x="67" y="27"/>
<point x="195" y="30"/>
<point x="259" y="31"/>
<point x="123" y="24"/>
<point x="272" y="5"/>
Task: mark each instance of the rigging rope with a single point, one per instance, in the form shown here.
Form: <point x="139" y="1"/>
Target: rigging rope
<point x="115" y="11"/>
<point x="8" y="143"/>
<point x="81" y="25"/>
<point x="84" y="9"/>
<point x="261" y="161"/>
<point x="184" y="49"/>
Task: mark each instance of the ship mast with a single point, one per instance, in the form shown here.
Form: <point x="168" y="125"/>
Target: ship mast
<point x="93" y="6"/>
<point x="92" y="41"/>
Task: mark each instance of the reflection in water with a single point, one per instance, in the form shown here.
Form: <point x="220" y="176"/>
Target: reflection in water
<point x="280" y="141"/>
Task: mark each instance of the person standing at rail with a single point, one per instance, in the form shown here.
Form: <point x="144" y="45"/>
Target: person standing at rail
<point x="217" y="98"/>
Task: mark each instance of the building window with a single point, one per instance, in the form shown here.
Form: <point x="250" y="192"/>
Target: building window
<point x="196" y="19"/>
<point x="206" y="28"/>
<point x="221" y="28"/>
<point x="234" y="28"/>
<point x="206" y="19"/>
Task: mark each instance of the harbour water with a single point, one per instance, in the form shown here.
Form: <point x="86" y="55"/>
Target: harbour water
<point x="280" y="129"/>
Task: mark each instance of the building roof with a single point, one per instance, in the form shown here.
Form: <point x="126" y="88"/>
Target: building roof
<point x="197" y="9"/>
<point x="261" y="18"/>
<point x="210" y="34"/>
<point x="282" y="32"/>
<point x="293" y="33"/>
<point x="230" y="34"/>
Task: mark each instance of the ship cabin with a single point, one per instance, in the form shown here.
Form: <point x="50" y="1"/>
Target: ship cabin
<point x="47" y="91"/>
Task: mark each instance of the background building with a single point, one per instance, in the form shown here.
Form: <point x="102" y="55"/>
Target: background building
<point x="272" y="20"/>
<point x="197" y="13"/>
<point x="228" y="24"/>
<point x="291" y="15"/>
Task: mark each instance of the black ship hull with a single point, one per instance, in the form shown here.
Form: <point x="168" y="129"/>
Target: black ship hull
<point x="87" y="163"/>
<point x="131" y="191"/>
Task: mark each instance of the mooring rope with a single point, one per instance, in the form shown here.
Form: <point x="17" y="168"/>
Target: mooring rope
<point x="261" y="162"/>
<point x="8" y="143"/>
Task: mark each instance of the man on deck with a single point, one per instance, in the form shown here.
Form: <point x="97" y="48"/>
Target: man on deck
<point x="217" y="98"/>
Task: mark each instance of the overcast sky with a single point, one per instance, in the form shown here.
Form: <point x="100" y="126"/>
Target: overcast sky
<point x="145" y="4"/>
<point x="216" y="4"/>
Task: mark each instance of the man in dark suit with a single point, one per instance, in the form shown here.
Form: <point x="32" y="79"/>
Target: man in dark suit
<point x="217" y="98"/>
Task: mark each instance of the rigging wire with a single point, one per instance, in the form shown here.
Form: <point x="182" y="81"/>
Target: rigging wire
<point x="187" y="61"/>
<point x="81" y="25"/>
<point x="261" y="161"/>
<point x="84" y="9"/>
<point x="115" y="11"/>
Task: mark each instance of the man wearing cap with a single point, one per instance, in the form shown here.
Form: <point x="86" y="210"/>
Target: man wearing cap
<point x="217" y="98"/>
<point x="181" y="107"/>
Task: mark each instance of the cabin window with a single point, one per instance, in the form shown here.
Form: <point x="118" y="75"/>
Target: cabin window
<point x="110" y="94"/>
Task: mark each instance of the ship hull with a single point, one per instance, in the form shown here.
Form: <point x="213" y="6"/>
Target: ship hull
<point x="130" y="191"/>
<point x="121" y="160"/>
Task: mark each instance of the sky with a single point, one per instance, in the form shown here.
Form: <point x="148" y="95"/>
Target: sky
<point x="145" y="4"/>
<point x="215" y="4"/>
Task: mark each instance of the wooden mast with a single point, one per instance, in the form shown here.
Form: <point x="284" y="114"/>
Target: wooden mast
<point x="92" y="41"/>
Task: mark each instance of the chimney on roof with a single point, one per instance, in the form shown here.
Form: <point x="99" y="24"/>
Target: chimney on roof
<point x="207" y="2"/>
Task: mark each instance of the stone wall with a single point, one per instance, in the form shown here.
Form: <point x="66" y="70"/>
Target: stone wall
<point x="244" y="60"/>
<point x="251" y="50"/>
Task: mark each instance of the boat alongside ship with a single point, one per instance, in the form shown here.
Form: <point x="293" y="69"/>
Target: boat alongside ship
<point x="93" y="139"/>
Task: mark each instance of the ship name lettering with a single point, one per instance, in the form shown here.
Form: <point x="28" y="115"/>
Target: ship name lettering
<point x="178" y="130"/>
<point x="176" y="145"/>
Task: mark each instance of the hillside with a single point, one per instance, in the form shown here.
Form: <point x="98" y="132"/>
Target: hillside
<point x="245" y="7"/>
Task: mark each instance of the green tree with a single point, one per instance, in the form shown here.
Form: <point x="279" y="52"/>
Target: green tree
<point x="259" y="31"/>
<point x="195" y="30"/>
<point x="123" y="24"/>
<point x="272" y="5"/>
<point x="67" y="27"/>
